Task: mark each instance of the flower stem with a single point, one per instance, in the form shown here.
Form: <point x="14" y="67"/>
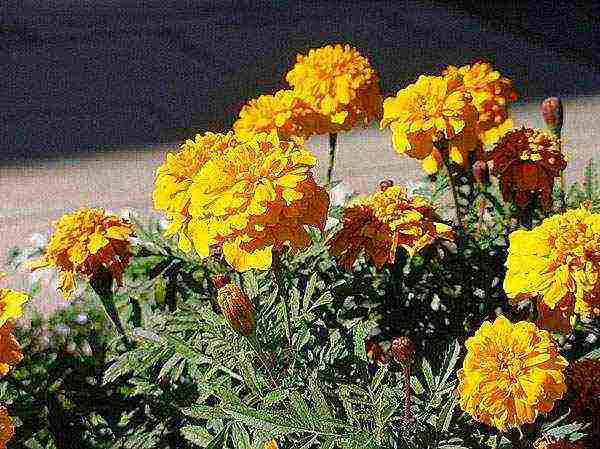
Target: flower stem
<point x="282" y="297"/>
<point x="332" y="147"/>
<point x="454" y="190"/>
<point x="407" y="411"/>
<point x="254" y="344"/>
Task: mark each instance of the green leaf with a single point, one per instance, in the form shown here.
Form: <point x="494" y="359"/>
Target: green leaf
<point x="200" y="411"/>
<point x="445" y="417"/>
<point x="595" y="354"/>
<point x="450" y="361"/>
<point x="316" y="393"/>
<point x="428" y="374"/>
<point x="123" y="364"/>
<point x="197" y="435"/>
<point x="416" y="385"/>
<point x="359" y="333"/>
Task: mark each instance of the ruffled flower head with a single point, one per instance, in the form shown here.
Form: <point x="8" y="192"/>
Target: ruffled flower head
<point x="87" y="241"/>
<point x="283" y="112"/>
<point x="583" y="381"/>
<point x="254" y="196"/>
<point x="10" y="350"/>
<point x="511" y="373"/>
<point x="557" y="262"/>
<point x="11" y="303"/>
<point x="7" y="428"/>
<point x="339" y="83"/>
<point x="526" y="161"/>
<point x="430" y="113"/>
<point x="492" y="94"/>
<point x="383" y="221"/>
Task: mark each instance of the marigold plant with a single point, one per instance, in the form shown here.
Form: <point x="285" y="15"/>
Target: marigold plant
<point x="10" y="350"/>
<point x="432" y="112"/>
<point x="559" y="263"/>
<point x="339" y="83"/>
<point x="284" y="112"/>
<point x="511" y="373"/>
<point x="382" y="222"/>
<point x="86" y="242"/>
<point x="7" y="428"/>
<point x="526" y="161"/>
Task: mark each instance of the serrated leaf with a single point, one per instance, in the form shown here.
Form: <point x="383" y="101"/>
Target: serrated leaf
<point x="445" y="417"/>
<point x="275" y="396"/>
<point x="428" y="374"/>
<point x="416" y="385"/>
<point x="359" y="333"/>
<point x="197" y="435"/>
<point x="450" y="361"/>
<point x="316" y="393"/>
<point x="123" y="364"/>
<point x="201" y="411"/>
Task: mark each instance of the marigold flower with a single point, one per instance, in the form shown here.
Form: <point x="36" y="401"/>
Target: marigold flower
<point x="583" y="381"/>
<point x="87" y="241"/>
<point x="491" y="93"/>
<point x="339" y="83"/>
<point x="559" y="263"/>
<point x="10" y="350"/>
<point x="431" y="112"/>
<point x="247" y="199"/>
<point x="510" y="374"/>
<point x="526" y="161"/>
<point x="558" y="444"/>
<point x="271" y="445"/>
<point x="174" y="178"/>
<point x="237" y="309"/>
<point x="283" y="112"/>
<point x="11" y="303"/>
<point x="383" y="221"/>
<point x="7" y="428"/>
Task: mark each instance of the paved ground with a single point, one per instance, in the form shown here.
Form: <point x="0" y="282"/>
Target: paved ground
<point x="37" y="192"/>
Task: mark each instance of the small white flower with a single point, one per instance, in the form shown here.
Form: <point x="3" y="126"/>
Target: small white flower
<point x="38" y="240"/>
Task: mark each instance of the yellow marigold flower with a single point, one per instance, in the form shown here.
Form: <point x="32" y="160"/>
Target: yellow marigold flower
<point x="256" y="195"/>
<point x="283" y="112"/>
<point x="511" y="373"/>
<point x="7" y="428"/>
<point x="10" y="350"/>
<point x="271" y="445"/>
<point x="174" y="178"/>
<point x="491" y="92"/>
<point x="383" y="221"/>
<point x="432" y="112"/>
<point x="339" y="83"/>
<point x="87" y="241"/>
<point x="559" y="262"/>
<point x="11" y="303"/>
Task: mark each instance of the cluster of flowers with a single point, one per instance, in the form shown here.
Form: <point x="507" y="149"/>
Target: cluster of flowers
<point x="249" y="193"/>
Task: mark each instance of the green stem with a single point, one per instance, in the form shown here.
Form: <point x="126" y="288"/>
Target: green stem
<point x="254" y="344"/>
<point x="454" y="190"/>
<point x="284" y="299"/>
<point x="332" y="147"/>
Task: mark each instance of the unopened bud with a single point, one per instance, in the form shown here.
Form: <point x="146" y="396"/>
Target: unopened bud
<point x="237" y="309"/>
<point x="220" y="280"/>
<point x="402" y="349"/>
<point x="552" y="112"/>
<point x="481" y="173"/>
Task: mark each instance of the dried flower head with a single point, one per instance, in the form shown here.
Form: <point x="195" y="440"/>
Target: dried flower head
<point x="552" y="112"/>
<point x="237" y="309"/>
<point x="7" y="428"/>
<point x="432" y="113"/>
<point x="383" y="221"/>
<point x="559" y="263"/>
<point x="283" y="112"/>
<point x="339" y="83"/>
<point x="526" y="161"/>
<point x="87" y="241"/>
<point x="402" y="349"/>
<point x="583" y="382"/>
<point x="553" y="443"/>
<point x="10" y="350"/>
<point x="511" y="373"/>
<point x="11" y="303"/>
<point x="492" y="94"/>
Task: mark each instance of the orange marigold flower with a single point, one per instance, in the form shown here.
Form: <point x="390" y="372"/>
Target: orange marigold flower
<point x="526" y="161"/>
<point x="174" y="178"/>
<point x="271" y="445"/>
<point x="283" y="112"/>
<point x="511" y="373"/>
<point x="87" y="241"/>
<point x="383" y="221"/>
<point x="339" y="83"/>
<point x="249" y="198"/>
<point x="10" y="350"/>
<point x="432" y="113"/>
<point x="7" y="428"/>
<point x="11" y="303"/>
<point x="491" y="92"/>
<point x="583" y="381"/>
<point x="557" y="262"/>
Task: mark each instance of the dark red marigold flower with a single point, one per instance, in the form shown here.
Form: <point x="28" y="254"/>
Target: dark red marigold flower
<point x="583" y="382"/>
<point x="526" y="161"/>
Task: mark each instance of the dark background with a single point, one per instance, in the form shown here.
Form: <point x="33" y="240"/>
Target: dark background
<point x="91" y="75"/>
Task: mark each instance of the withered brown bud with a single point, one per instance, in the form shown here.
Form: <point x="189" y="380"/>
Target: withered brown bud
<point x="481" y="173"/>
<point x="220" y="280"/>
<point x="237" y="309"/>
<point x="552" y="112"/>
<point x="383" y="185"/>
<point x="402" y="349"/>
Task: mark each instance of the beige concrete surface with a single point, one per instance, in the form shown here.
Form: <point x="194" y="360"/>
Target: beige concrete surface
<point x="37" y="192"/>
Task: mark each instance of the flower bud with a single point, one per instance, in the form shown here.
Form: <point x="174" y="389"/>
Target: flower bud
<point x="552" y="112"/>
<point x="220" y="280"/>
<point x="402" y="349"/>
<point x="237" y="309"/>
